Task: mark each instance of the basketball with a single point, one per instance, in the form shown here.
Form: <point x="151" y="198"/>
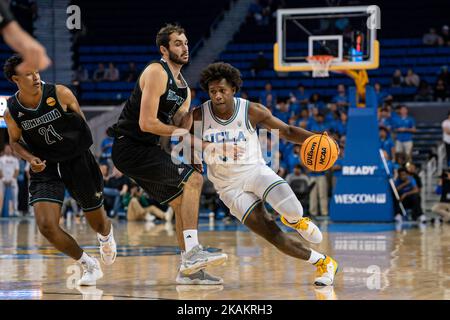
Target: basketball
<point x="319" y="152"/>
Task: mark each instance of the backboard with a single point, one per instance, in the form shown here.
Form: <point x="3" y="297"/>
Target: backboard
<point x="346" y="33"/>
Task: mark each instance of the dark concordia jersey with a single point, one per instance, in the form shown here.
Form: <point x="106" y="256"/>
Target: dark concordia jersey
<point x="50" y="132"/>
<point x="169" y="103"/>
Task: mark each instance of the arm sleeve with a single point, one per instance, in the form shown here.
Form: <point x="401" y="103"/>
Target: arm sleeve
<point x="5" y="14"/>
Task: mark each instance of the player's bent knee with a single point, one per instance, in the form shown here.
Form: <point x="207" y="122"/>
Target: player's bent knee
<point x="48" y="230"/>
<point x="195" y="181"/>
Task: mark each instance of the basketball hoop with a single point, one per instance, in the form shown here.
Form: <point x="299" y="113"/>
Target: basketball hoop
<point x="320" y="65"/>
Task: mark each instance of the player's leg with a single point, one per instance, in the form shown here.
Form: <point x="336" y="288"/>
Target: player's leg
<point x="83" y="179"/>
<point x="268" y="186"/>
<point x="260" y="223"/>
<point x="47" y="195"/>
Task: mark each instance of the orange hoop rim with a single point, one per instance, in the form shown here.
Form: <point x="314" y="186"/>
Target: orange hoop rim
<point x="320" y="58"/>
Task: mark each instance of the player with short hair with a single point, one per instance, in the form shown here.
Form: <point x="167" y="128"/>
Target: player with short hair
<point x="48" y="119"/>
<point x="159" y="107"/>
<point x="246" y="184"/>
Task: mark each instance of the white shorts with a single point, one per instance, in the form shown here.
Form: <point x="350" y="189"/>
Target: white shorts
<point x="242" y="196"/>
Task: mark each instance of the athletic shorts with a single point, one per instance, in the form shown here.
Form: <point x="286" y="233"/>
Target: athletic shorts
<point x="151" y="168"/>
<point x="243" y="195"/>
<point x="81" y="176"/>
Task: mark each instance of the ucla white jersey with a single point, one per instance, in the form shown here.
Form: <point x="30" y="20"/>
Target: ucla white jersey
<point x="238" y="130"/>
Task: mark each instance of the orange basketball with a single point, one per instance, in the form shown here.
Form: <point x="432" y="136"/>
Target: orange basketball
<point x="319" y="152"/>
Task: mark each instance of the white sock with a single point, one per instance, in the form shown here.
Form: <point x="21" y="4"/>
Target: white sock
<point x="86" y="260"/>
<point x="190" y="239"/>
<point x="315" y="256"/>
<point x="107" y="237"/>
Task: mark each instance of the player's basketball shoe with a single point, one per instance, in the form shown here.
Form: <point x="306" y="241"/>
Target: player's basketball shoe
<point x="91" y="273"/>
<point x="108" y="250"/>
<point x="306" y="228"/>
<point x="199" y="278"/>
<point x="197" y="259"/>
<point x="326" y="270"/>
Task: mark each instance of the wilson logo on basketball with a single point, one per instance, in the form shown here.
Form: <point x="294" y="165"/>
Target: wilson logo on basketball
<point x="51" y="102"/>
<point x="310" y="155"/>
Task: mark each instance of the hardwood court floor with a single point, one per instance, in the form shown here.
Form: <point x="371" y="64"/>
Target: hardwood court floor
<point x="376" y="262"/>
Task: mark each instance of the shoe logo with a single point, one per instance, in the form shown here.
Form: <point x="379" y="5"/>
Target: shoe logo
<point x="180" y="170"/>
<point x="20" y="114"/>
<point x="189" y="237"/>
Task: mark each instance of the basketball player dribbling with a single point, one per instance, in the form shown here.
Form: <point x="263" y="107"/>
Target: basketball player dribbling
<point x="159" y="107"/>
<point x="49" y="120"/>
<point x="246" y="184"/>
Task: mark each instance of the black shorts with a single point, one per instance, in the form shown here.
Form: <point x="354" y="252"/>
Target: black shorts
<point x="152" y="168"/>
<point x="81" y="176"/>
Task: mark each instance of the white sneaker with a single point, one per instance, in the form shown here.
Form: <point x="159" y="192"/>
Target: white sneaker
<point x="306" y="228"/>
<point x="91" y="273"/>
<point x="149" y="217"/>
<point x="108" y="250"/>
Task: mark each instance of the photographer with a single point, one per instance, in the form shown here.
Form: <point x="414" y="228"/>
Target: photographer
<point x="443" y="206"/>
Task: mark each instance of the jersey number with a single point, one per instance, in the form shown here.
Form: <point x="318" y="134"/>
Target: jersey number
<point x="48" y="132"/>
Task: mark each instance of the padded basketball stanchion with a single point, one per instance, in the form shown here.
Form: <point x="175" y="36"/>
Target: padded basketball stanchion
<point x="362" y="192"/>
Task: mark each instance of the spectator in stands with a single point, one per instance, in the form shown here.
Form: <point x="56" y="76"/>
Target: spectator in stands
<point x="81" y="74"/>
<point x="441" y="93"/>
<point x="445" y="35"/>
<point x="444" y="76"/>
<point x="432" y="38"/>
<point x="195" y="101"/>
<point x="105" y="156"/>
<point x="112" y="73"/>
<point x="385" y="120"/>
<point x="259" y="64"/>
<point x="446" y="136"/>
<point x="139" y="207"/>
<point x="404" y="127"/>
<point x="318" y="194"/>
<point x="443" y="206"/>
<point x="297" y="174"/>
<point x="99" y="73"/>
<point x="386" y="143"/>
<point x="316" y="102"/>
<point x="9" y="166"/>
<point x="424" y="92"/>
<point x="341" y="98"/>
<point x="411" y="79"/>
<point x="115" y="185"/>
<point x="268" y="96"/>
<point x="304" y="119"/>
<point x="397" y="79"/>
<point x="319" y="125"/>
<point x="413" y="171"/>
<point x="382" y="96"/>
<point x="409" y="194"/>
<point x="282" y="110"/>
<point x="291" y="159"/>
<point x="340" y="126"/>
<point x="300" y="97"/>
<point x="131" y="74"/>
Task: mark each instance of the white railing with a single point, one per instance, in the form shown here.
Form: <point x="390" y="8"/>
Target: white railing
<point x="423" y="193"/>
<point x="431" y="169"/>
<point x="441" y="157"/>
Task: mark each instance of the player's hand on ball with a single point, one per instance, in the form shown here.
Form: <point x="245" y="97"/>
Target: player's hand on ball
<point x="319" y="152"/>
<point x="37" y="165"/>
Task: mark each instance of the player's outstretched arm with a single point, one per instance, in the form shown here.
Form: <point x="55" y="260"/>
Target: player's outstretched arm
<point x="153" y="84"/>
<point x="259" y="114"/>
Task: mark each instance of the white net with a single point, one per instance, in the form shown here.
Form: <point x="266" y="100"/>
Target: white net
<point x="320" y="65"/>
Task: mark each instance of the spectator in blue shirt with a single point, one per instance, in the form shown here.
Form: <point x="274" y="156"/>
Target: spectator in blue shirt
<point x="386" y="143"/>
<point x="282" y="110"/>
<point x="268" y="96"/>
<point x="385" y="120"/>
<point x="319" y="125"/>
<point x="195" y="101"/>
<point x="340" y="125"/>
<point x="291" y="159"/>
<point x="106" y="146"/>
<point x="404" y="127"/>
<point x="409" y="194"/>
<point x="382" y="96"/>
<point x="315" y="102"/>
<point x="300" y="96"/>
<point x="341" y="98"/>
<point x="303" y="119"/>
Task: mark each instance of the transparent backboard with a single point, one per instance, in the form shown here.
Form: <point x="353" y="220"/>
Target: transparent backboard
<point x="346" y="33"/>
